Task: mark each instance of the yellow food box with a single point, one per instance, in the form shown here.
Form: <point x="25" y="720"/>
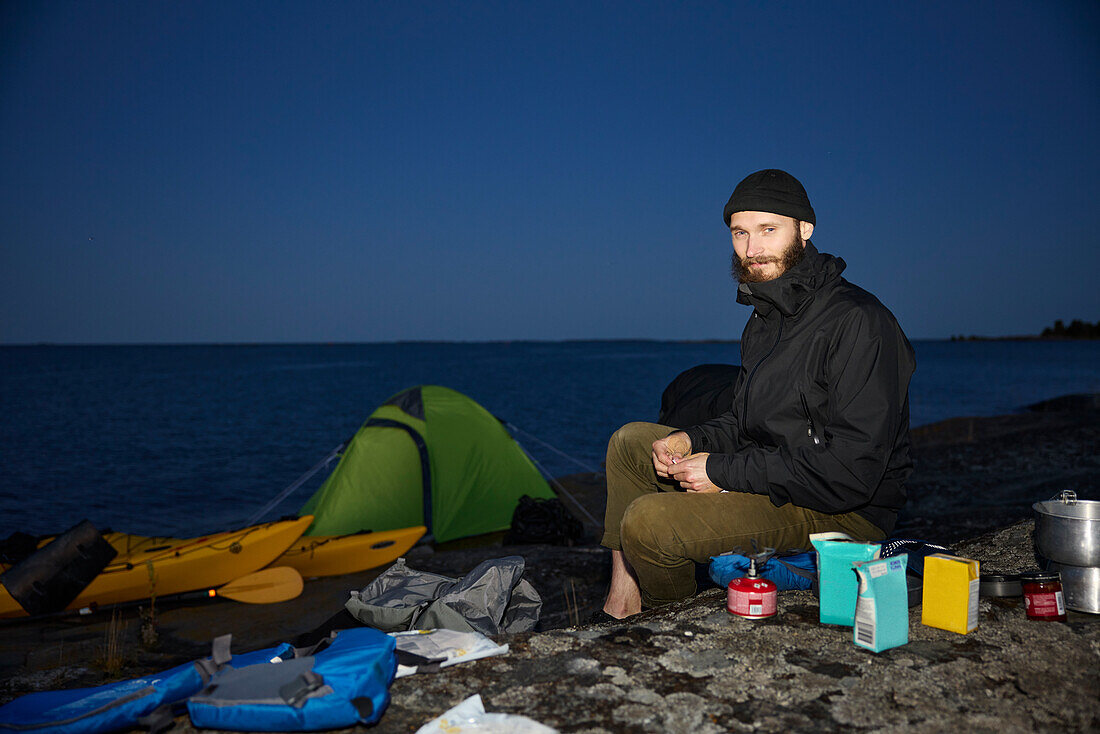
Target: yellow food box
<point x="950" y="597"/>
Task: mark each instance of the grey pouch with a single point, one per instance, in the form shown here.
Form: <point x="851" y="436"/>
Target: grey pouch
<point x="395" y="600"/>
<point x="491" y="599"/>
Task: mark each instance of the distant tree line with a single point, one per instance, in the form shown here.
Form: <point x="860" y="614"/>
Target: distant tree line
<point x="1077" y="329"/>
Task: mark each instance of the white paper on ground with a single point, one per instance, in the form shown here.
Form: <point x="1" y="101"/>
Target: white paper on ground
<point x="470" y="716"/>
<point x="456" y="647"/>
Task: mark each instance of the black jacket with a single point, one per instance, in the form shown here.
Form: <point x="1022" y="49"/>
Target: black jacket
<point x="820" y="410"/>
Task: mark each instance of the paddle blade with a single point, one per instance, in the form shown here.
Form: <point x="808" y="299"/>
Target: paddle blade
<point x="268" y="586"/>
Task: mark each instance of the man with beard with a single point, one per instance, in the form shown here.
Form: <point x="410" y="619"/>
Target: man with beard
<point x="815" y="438"/>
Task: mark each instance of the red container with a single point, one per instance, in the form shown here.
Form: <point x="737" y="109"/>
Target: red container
<point x="1043" y="600"/>
<point x="751" y="597"/>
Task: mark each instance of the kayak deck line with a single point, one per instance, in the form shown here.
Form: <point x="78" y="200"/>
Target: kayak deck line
<point x="334" y="555"/>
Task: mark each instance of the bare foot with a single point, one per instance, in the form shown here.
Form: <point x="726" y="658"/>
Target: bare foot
<point x="624" y="599"/>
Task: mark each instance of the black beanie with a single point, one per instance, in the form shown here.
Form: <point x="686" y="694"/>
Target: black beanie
<point x="770" y="190"/>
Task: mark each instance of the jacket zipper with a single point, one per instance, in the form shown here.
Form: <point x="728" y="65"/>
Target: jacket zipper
<point x="810" y="432"/>
<point x="748" y="381"/>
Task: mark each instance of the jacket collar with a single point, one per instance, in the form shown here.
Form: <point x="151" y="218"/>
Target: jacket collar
<point x="794" y="289"/>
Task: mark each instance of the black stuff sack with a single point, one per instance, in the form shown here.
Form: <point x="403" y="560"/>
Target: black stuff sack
<point x="915" y="551"/>
<point x="543" y="521"/>
<point x="49" y="579"/>
<point x="697" y="395"/>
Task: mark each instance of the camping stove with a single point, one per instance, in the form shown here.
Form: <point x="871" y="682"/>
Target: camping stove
<point x="750" y="596"/>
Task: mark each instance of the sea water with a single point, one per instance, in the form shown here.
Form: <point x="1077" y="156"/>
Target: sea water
<point x="188" y="439"/>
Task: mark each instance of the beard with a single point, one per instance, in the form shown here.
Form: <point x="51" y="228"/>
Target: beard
<point x="792" y="255"/>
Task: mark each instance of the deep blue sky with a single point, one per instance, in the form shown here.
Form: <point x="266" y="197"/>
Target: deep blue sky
<point x="276" y="171"/>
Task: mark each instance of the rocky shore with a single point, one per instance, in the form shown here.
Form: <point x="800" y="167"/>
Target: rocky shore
<point x="696" y="668"/>
<point x="693" y="667"/>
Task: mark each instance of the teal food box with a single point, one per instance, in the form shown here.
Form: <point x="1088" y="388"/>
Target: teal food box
<point x="882" y="606"/>
<point x="836" y="579"/>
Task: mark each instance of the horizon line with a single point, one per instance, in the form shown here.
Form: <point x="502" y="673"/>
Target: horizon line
<point x="954" y="337"/>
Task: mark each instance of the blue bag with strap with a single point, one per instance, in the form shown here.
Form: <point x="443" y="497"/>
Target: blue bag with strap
<point x="345" y="683"/>
<point x="795" y="571"/>
<point x="149" y="702"/>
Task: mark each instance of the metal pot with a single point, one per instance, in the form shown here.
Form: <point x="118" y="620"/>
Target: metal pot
<point x="1080" y="586"/>
<point x="1067" y="530"/>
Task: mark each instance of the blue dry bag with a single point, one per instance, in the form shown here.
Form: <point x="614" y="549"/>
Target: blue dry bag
<point x="790" y="572"/>
<point x="344" y="684"/>
<point x="125" y="704"/>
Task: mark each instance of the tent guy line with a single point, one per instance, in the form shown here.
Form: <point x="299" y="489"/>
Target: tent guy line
<point x="277" y="499"/>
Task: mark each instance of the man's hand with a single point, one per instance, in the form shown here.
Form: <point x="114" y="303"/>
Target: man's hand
<point x="691" y="473"/>
<point x="668" y="450"/>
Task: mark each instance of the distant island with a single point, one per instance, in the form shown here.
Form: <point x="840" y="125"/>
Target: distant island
<point x="1077" y="329"/>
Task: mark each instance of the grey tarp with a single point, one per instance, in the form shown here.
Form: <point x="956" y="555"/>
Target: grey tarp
<point x="491" y="599"/>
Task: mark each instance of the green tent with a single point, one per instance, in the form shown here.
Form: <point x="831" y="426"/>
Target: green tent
<point x="427" y="456"/>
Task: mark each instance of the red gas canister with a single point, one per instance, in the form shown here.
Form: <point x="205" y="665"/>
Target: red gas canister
<point x="751" y="596"/>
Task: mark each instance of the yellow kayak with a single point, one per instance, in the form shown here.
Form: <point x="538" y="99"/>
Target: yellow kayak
<point x="146" y="567"/>
<point x="332" y="555"/>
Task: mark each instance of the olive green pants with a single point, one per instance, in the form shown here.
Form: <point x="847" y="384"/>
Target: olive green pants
<point x="664" y="531"/>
